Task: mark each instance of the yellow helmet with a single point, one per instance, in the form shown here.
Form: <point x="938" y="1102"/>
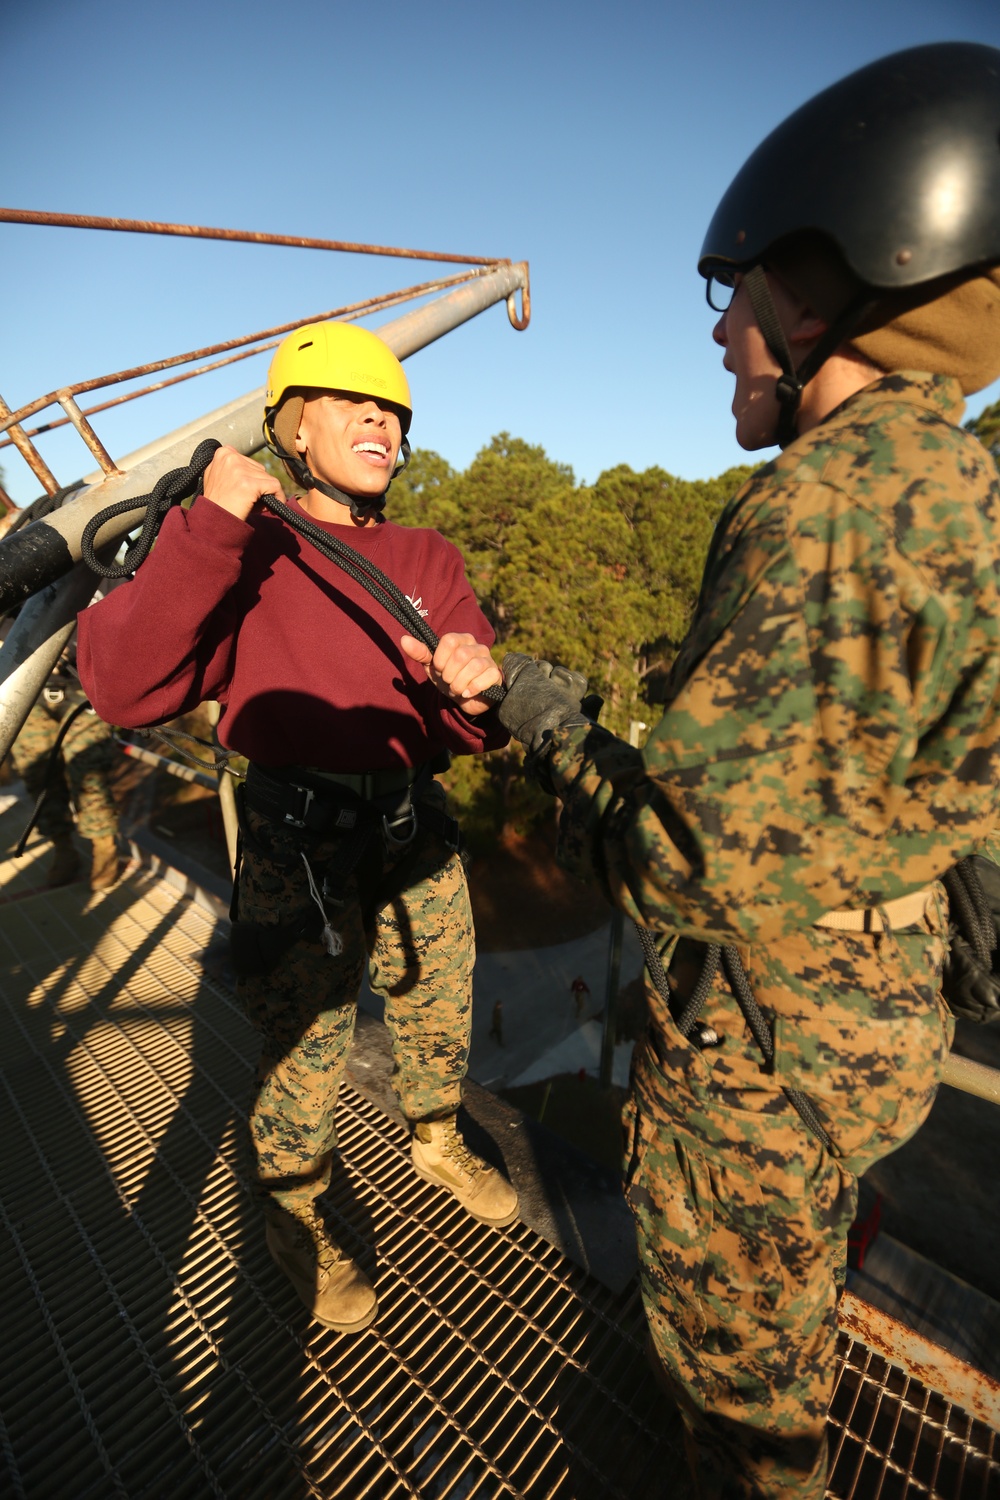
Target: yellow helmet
<point x="337" y="357"/>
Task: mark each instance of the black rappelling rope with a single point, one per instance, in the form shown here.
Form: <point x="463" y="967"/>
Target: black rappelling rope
<point x="180" y="483"/>
<point x="739" y="983"/>
<point x="970" y="909"/>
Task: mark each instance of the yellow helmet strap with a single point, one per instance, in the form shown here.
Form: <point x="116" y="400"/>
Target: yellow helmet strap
<point x="360" y="505"/>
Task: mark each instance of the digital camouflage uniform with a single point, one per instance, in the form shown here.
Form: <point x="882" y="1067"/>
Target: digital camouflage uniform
<point x="420" y="952"/>
<point x="830" y="740"/>
<point x="81" y="775"/>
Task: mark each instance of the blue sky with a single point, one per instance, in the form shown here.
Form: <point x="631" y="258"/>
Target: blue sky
<point x="592" y="139"/>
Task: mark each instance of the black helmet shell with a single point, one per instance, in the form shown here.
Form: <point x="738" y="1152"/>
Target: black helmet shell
<point x="899" y="164"/>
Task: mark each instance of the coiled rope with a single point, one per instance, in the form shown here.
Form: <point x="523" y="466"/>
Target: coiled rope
<point x="970" y="909"/>
<point x="179" y="484"/>
<point x="739" y="983"/>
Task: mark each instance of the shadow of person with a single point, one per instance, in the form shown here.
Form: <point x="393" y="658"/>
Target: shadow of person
<point x="236" y="1337"/>
<point x="125" y="1197"/>
<point x="623" y="1437"/>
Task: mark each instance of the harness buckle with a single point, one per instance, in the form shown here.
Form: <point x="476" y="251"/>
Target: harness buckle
<point x="309" y="795"/>
<point x="406" y="820"/>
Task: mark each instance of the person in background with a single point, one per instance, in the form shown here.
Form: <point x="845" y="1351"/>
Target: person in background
<point x="77" y="781"/>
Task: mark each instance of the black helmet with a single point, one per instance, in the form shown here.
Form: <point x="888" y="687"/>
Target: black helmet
<point x="897" y="166"/>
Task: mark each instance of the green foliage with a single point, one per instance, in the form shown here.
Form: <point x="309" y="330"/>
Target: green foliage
<point x="987" y="428"/>
<point x="419" y="492"/>
<point x="671" y="522"/>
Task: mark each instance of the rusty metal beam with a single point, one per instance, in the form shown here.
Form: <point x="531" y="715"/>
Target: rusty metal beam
<point x="936" y="1368"/>
<point x="83" y="427"/>
<point x="346" y="313"/>
<point x="27" y="450"/>
<point x="118" y="377"/>
<point x="240" y="236"/>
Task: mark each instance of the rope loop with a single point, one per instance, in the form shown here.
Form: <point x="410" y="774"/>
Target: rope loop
<point x="179" y="484"/>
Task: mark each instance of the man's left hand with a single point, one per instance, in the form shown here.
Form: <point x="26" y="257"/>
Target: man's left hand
<point x="539" y="699"/>
<point x="461" y="668"/>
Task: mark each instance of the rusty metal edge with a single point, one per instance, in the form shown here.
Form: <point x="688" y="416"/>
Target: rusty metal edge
<point x="9" y="419"/>
<point x="241" y="236"/>
<point x="935" y="1367"/>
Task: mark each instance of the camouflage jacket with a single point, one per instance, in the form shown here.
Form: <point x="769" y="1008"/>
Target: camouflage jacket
<point x="831" y="736"/>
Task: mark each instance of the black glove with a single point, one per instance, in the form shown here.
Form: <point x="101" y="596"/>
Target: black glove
<point x="971" y="989"/>
<point x="539" y="698"/>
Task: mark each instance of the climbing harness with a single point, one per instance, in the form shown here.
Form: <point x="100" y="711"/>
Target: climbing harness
<point x="179" y="484"/>
<point x="358" y="819"/>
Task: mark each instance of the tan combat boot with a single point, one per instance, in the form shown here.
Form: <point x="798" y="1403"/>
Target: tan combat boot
<point x="105" y="863"/>
<point x="337" y="1293"/>
<point x="441" y="1156"/>
<point x="65" y="865"/>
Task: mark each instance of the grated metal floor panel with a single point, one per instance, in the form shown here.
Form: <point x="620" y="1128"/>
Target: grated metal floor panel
<point x="151" y="1349"/>
<point x="892" y="1437"/>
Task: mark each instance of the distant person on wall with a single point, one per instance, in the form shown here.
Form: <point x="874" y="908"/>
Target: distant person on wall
<point x="349" y="856"/>
<point x="580" y="989"/>
<point x="829" y="748"/>
<point x="78" y="779"/>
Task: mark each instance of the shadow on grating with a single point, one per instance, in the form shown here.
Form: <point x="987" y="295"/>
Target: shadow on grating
<point x="151" y="1348"/>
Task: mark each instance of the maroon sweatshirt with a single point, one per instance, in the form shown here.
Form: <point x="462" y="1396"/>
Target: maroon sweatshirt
<point x="305" y="663"/>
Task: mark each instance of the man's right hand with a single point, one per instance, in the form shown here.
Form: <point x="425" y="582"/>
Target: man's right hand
<point x="236" y="483"/>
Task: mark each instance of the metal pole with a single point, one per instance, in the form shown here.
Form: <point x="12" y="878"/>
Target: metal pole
<point x="227" y="797"/>
<point x="35" y="643"/>
<point x="972" y="1078"/>
<point x="245" y="236"/>
<point x="30" y="453"/>
<point x="47" y="549"/>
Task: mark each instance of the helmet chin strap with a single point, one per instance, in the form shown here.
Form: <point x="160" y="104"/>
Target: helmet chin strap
<point x="792" y="381"/>
<point x="361" y="506"/>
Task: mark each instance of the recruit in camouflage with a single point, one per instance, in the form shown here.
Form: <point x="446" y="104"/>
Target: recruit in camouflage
<point x="420" y="954"/>
<point x="82" y="774"/>
<point x="831" y="739"/>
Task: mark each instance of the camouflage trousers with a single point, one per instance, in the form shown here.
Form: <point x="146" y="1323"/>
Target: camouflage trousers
<point x="80" y="777"/>
<point x="742" y="1214"/>
<point x="419" y="949"/>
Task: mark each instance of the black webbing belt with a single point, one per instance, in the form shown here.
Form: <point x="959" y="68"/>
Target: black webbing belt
<point x="315" y="808"/>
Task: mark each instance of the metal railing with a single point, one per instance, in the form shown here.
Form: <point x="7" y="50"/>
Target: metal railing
<point x="40" y="565"/>
<point x="12" y="422"/>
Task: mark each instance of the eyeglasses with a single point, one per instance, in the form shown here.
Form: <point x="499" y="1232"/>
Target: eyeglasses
<point x="719" y="290"/>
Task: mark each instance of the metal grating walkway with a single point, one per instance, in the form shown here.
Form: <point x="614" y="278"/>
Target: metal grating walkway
<point x="151" y="1349"/>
